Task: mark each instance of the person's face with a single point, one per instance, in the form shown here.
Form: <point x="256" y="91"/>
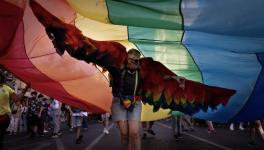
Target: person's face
<point x="133" y="61"/>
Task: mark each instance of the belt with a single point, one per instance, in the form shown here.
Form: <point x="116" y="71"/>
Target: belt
<point x="3" y="118"/>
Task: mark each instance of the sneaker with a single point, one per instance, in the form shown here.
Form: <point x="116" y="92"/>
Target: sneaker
<point x="151" y="132"/>
<point x="59" y="133"/>
<point x="106" y="131"/>
<point x="54" y="135"/>
<point x="241" y="127"/>
<point x="252" y="144"/>
<point x="231" y="127"/>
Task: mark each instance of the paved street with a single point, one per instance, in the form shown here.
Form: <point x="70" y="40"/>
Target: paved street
<point x="94" y="139"/>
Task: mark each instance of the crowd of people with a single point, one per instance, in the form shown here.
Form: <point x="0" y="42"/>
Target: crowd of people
<point x="38" y="114"/>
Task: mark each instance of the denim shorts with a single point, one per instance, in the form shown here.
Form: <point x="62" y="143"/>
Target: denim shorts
<point x="77" y="121"/>
<point x="119" y="113"/>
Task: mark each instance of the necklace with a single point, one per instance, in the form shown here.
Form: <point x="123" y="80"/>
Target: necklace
<point x="131" y="71"/>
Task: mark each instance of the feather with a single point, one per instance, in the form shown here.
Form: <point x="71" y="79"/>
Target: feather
<point x="160" y="87"/>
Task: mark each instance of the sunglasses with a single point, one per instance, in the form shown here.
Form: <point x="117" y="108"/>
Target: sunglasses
<point x="135" y="60"/>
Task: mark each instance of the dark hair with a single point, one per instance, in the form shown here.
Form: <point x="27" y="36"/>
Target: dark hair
<point x="40" y="96"/>
<point x="134" y="51"/>
<point x="2" y="78"/>
<point x="34" y="92"/>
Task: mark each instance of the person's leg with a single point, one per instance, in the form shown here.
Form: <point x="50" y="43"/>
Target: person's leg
<point x="16" y="125"/>
<point x="34" y="125"/>
<point x="41" y="126"/>
<point x="106" y="123"/>
<point x="69" y="120"/>
<point x="134" y="136"/>
<point x="79" y="136"/>
<point x="85" y="122"/>
<point x="77" y="125"/>
<point x="56" y="122"/>
<point x="173" y="119"/>
<point x="30" y="125"/>
<point x="4" y="123"/>
<point x="252" y="133"/>
<point x="123" y="129"/>
<point x="187" y="120"/>
<point x="179" y="125"/>
<point x="11" y="126"/>
<point x="78" y="133"/>
<point x="150" y="130"/>
<point x="260" y="129"/>
<point x="120" y="117"/>
<point x="145" y="128"/>
<point x="134" y="118"/>
<point x="210" y="125"/>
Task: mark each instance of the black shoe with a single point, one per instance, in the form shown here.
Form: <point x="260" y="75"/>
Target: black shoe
<point x="32" y="135"/>
<point x="144" y="136"/>
<point x="180" y="136"/>
<point x="151" y="132"/>
<point x="252" y="144"/>
<point x="176" y="137"/>
<point x="79" y="140"/>
<point x="81" y="137"/>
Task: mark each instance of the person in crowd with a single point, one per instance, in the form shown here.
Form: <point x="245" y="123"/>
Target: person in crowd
<point x="147" y="128"/>
<point x="77" y="119"/>
<point x="56" y="118"/>
<point x="240" y="127"/>
<point x="105" y="120"/>
<point x="177" y="124"/>
<point x="210" y="125"/>
<point x="15" y="118"/>
<point x="34" y="113"/>
<point x="6" y="94"/>
<point x="85" y="120"/>
<point x="24" y="109"/>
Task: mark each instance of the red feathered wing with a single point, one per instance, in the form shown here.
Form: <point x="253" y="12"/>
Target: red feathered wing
<point x="67" y="37"/>
<point x="158" y="88"/>
<point x="112" y="56"/>
<point x="162" y="90"/>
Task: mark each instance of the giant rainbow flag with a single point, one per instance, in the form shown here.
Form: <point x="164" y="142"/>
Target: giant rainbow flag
<point x="219" y="43"/>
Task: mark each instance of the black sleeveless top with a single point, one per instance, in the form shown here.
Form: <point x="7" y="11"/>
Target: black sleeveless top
<point x="128" y="78"/>
<point x="127" y="83"/>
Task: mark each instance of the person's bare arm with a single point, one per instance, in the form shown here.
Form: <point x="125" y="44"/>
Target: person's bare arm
<point x="17" y="97"/>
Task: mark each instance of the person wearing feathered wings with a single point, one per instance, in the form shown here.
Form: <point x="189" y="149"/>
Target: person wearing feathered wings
<point x="133" y="78"/>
